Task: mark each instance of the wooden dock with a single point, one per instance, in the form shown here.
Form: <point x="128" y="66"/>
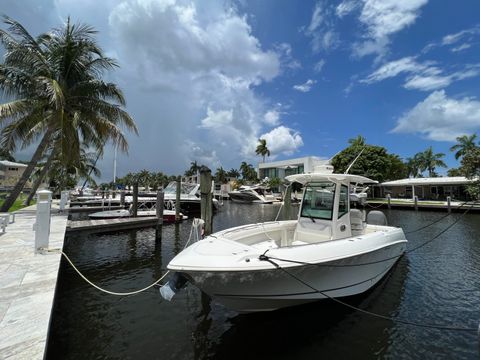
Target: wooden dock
<point x="78" y="209"/>
<point x="423" y="205"/>
<point x="105" y="225"/>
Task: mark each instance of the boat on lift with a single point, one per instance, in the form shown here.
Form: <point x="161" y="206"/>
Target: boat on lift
<point x="331" y="250"/>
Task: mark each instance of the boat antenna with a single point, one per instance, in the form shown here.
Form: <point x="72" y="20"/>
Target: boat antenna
<point x="353" y="162"/>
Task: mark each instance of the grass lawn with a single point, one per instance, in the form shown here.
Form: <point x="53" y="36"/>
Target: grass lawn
<point x="18" y="204"/>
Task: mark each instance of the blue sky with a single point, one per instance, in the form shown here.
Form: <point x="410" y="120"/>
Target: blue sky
<point x="204" y="80"/>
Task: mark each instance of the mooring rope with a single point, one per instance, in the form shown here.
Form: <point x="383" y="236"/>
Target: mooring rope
<point x="195" y="224"/>
<point x="370" y="313"/>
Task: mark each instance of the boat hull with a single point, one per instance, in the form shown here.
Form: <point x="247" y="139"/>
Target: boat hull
<point x="275" y="288"/>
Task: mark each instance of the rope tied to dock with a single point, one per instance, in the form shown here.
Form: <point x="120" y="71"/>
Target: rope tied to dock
<point x="113" y="292"/>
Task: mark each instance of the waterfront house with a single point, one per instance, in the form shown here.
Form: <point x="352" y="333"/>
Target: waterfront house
<point x="437" y="188"/>
<point x="10" y="172"/>
<point x="281" y="169"/>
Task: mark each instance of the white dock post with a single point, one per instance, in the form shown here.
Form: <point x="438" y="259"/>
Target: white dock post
<point x="63" y="199"/>
<point x="42" y="222"/>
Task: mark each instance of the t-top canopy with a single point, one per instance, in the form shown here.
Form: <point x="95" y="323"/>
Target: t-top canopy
<point x="313" y="177"/>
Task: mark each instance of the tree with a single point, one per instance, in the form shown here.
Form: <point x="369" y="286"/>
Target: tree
<point x="430" y="161"/>
<point x="233" y="173"/>
<point x="374" y="162"/>
<point x="221" y="175"/>
<point x="464" y="145"/>
<point x="470" y="166"/>
<point x="248" y="172"/>
<point x="414" y="165"/>
<point x="59" y="96"/>
<point x="6" y="155"/>
<point x="454" y="172"/>
<point x="262" y="149"/>
<point x="194" y="168"/>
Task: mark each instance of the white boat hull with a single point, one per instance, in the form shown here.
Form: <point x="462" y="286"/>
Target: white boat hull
<point x="232" y="274"/>
<point x="266" y="290"/>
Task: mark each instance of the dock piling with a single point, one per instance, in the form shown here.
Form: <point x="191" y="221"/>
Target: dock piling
<point x="449" y="204"/>
<point x="177" y="198"/>
<point x="122" y="198"/>
<point x="206" y="198"/>
<point x="415" y="201"/>
<point x="159" y="209"/>
<point x="389" y="198"/>
<point x="135" y="200"/>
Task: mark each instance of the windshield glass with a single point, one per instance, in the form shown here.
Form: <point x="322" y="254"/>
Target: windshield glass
<point x="318" y="200"/>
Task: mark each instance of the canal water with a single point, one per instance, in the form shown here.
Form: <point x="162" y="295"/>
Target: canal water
<point x="439" y="283"/>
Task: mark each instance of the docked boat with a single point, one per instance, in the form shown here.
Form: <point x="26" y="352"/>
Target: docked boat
<point x="253" y="194"/>
<point x="331" y="250"/>
<point x="189" y="196"/>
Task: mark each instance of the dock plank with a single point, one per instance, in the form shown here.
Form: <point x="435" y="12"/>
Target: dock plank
<point x="102" y="225"/>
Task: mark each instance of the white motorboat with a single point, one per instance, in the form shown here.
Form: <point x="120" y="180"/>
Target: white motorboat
<point x="189" y="196"/>
<point x="329" y="251"/>
<point x="253" y="194"/>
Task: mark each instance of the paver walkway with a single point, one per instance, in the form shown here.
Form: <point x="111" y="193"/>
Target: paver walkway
<point x="27" y="285"/>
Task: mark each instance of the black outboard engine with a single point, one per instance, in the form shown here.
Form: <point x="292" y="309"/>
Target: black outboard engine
<point x="376" y="217"/>
<point x="174" y="285"/>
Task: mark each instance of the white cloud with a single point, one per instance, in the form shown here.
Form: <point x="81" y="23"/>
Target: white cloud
<point x="383" y="18"/>
<point x="319" y="66"/>
<point x="283" y="140"/>
<point x="272" y="117"/>
<point x="393" y="68"/>
<point x="441" y="118"/>
<point x="421" y="76"/>
<point x="461" y="47"/>
<point x="321" y="28"/>
<point x="195" y="65"/>
<point x="305" y="87"/>
<point x="346" y="7"/>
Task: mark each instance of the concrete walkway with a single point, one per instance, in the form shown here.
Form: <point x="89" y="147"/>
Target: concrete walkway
<point x="27" y="285"/>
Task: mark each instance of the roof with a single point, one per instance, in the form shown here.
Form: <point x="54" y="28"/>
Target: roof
<point x="429" y="181"/>
<point x="312" y="177"/>
<point x="11" y="163"/>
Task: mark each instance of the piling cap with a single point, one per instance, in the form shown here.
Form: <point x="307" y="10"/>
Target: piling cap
<point x="44" y="195"/>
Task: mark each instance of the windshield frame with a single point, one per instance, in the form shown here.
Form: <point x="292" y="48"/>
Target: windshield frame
<point x="314" y="212"/>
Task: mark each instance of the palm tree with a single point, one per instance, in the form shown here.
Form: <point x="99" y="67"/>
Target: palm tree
<point x="6" y="155"/>
<point x="358" y="141"/>
<point x="262" y="149"/>
<point x="194" y="168"/>
<point x="221" y="175"/>
<point x="59" y="96"/>
<point x="430" y="161"/>
<point x="414" y="165"/>
<point x="465" y="144"/>
<point x="233" y="173"/>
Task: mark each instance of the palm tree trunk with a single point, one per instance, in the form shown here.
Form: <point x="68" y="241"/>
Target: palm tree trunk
<point x="28" y="171"/>
<point x="39" y="179"/>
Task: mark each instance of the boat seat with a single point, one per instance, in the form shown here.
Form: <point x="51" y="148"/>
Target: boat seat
<point x="357" y="223"/>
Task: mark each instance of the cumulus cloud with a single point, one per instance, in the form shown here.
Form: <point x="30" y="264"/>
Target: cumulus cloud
<point x="441" y="118"/>
<point x="283" y="140"/>
<point x="382" y="19"/>
<point x="192" y="68"/>
<point x="421" y="76"/>
<point x="306" y="86"/>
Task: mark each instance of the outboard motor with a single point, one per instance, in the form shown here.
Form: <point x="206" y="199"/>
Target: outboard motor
<point x="174" y="285"/>
<point x="376" y="217"/>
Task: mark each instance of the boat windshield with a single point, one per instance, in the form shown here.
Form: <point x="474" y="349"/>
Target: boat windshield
<point x="318" y="200"/>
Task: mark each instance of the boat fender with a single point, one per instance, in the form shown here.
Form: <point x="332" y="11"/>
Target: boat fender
<point x="174" y="285"/>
